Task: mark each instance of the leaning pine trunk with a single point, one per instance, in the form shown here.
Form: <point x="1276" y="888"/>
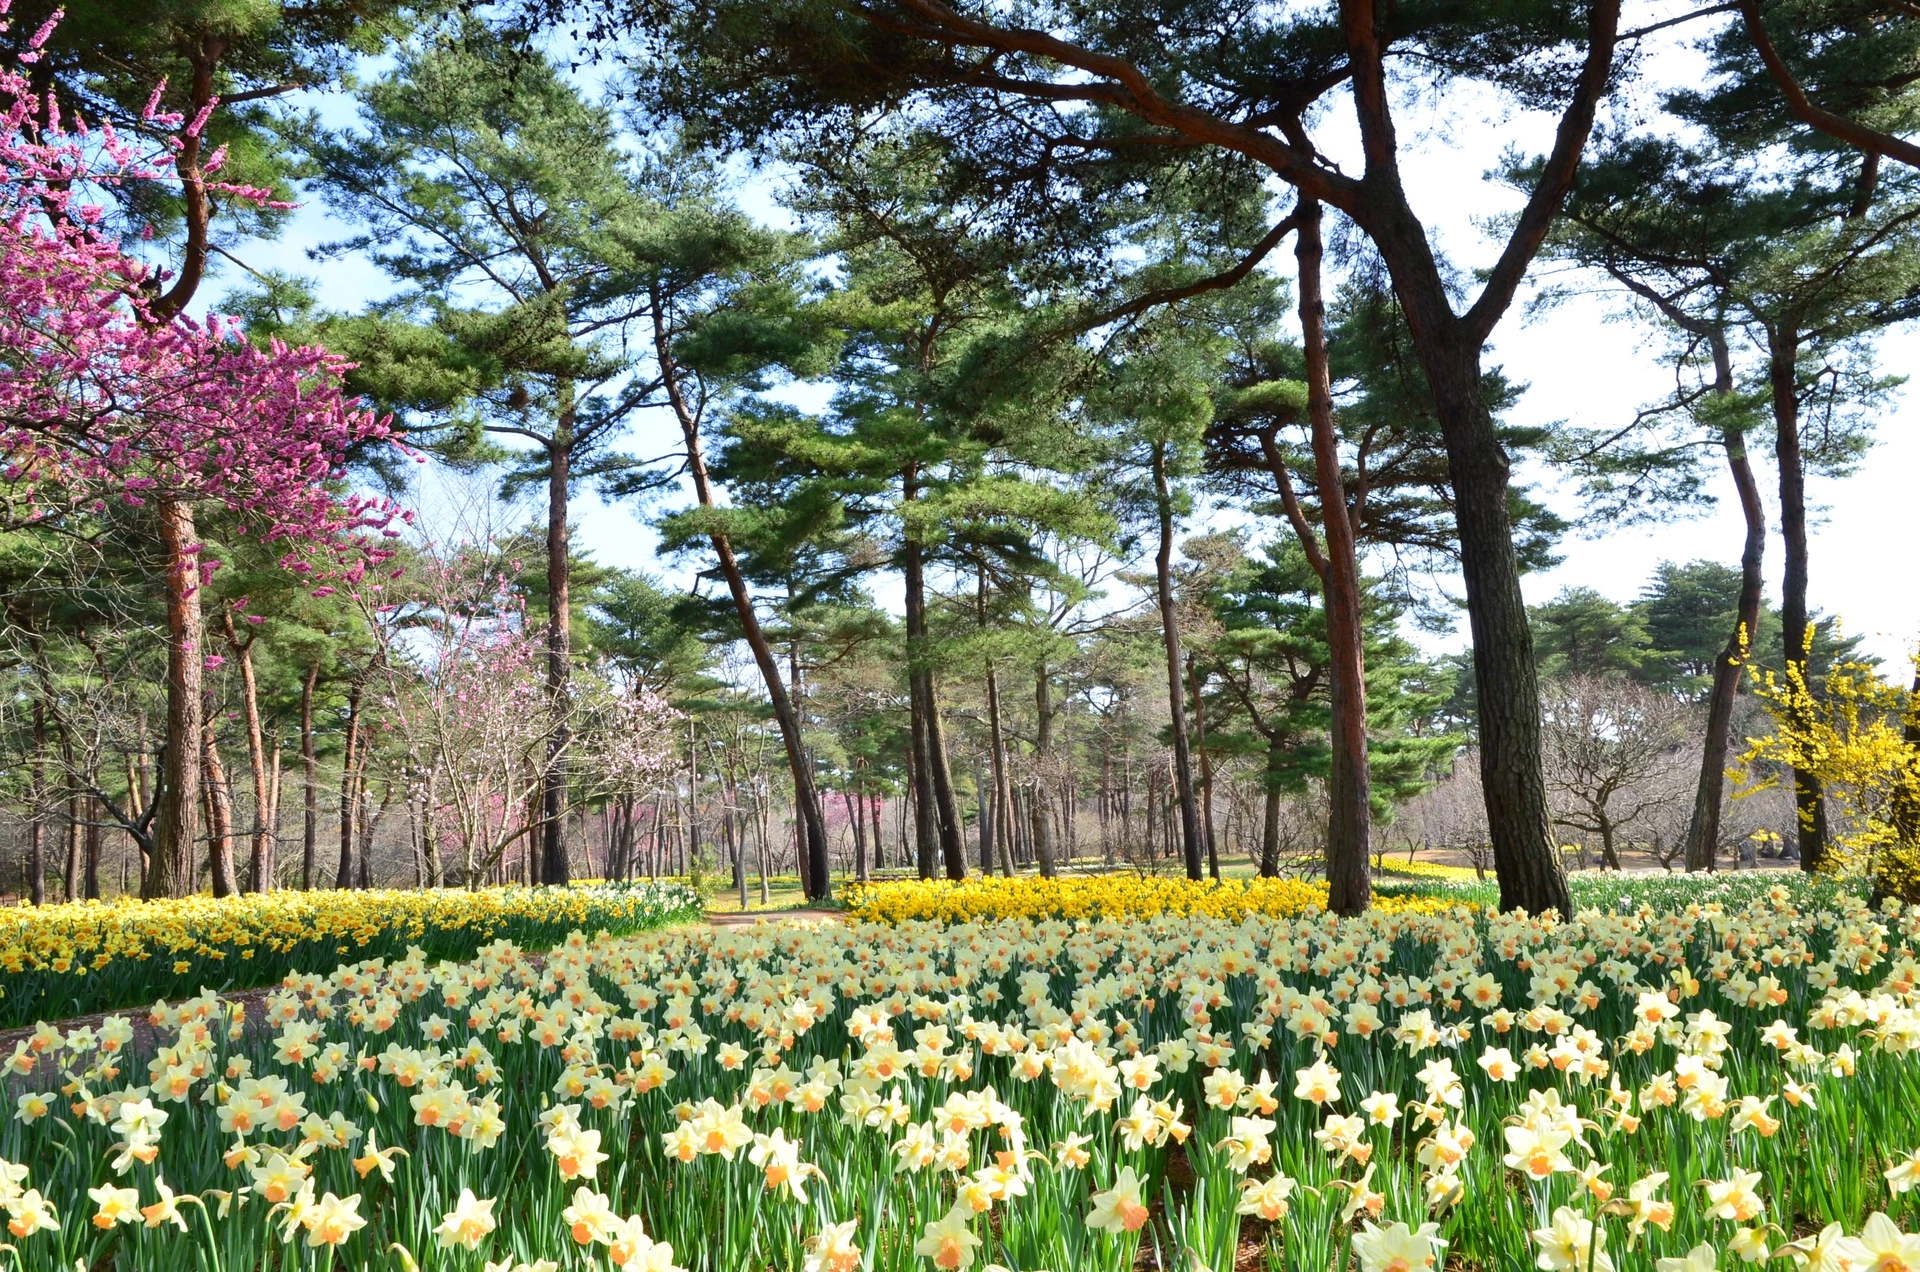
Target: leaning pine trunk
<point x="806" y="796"/>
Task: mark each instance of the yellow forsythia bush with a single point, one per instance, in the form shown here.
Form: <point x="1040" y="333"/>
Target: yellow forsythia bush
<point x="1099" y="897"/>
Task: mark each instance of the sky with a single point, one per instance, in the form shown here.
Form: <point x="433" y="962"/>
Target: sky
<point x="1581" y="364"/>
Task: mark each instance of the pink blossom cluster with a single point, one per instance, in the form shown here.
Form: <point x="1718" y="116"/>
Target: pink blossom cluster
<point x="101" y="398"/>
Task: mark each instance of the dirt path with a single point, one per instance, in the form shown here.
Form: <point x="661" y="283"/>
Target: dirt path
<point x="144" y="1035"/>
<point x="772" y="916"/>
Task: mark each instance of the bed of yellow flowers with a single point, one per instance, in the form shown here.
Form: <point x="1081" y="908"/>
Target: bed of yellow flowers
<point x="1110" y="896"/>
<point x="1661" y="1091"/>
<point x="66" y="960"/>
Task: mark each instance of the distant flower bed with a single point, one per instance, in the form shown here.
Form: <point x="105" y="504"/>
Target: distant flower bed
<point x="67" y="960"/>
<point x="1394" y="867"/>
<point x="1102" y="897"/>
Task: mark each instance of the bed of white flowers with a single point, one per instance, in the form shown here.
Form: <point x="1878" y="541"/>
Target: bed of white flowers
<point x="1678" y="1091"/>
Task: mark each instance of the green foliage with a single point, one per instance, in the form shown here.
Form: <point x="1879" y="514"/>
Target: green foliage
<point x="1582" y="633"/>
<point x="1270" y="659"/>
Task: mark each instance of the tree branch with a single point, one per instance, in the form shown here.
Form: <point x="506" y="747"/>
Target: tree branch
<point x="1803" y="109"/>
<point x="1214" y="282"/>
<point x="1556" y="178"/>
<point x="1136" y="94"/>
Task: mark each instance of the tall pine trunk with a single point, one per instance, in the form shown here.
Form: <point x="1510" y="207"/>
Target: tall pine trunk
<point x="935" y="778"/>
<point x="1809" y="799"/>
<point x="310" y="822"/>
<point x="176" y="824"/>
<point x="983" y="800"/>
<point x="349" y="791"/>
<point x="260" y="855"/>
<point x="1040" y="804"/>
<point x="1270" y="818"/>
<point x="926" y="839"/>
<point x="1206" y="767"/>
<point x="553" y="800"/>
<point x="70" y="879"/>
<point x="1349" y="813"/>
<point x="94" y="835"/>
<point x="219" y="800"/>
<point x="1513" y="782"/>
<point x="1176" y="692"/>
<point x="1002" y="813"/>
<point x="37" y="819"/>
<point x="1703" y="828"/>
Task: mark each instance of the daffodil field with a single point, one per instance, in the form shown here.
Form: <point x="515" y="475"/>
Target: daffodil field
<point x="1398" y="889"/>
<point x="68" y="960"/>
<point x="1707" y="1084"/>
<point x="1110" y="896"/>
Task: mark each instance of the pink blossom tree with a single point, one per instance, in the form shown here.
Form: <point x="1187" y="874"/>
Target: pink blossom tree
<point x="104" y="397"/>
<point x="465" y="702"/>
